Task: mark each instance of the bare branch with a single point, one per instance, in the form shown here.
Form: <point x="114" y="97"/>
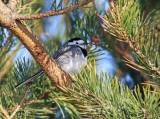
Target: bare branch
<point x="3" y="111"/>
<point x="50" y="13"/>
<point x="12" y="4"/>
<point x="20" y="104"/>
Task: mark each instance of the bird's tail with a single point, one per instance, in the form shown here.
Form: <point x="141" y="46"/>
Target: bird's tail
<point x="31" y="78"/>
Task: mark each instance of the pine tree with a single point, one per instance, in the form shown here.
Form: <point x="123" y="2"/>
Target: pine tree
<point x="128" y="29"/>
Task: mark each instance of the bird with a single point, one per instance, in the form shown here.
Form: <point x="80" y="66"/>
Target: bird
<point x="71" y="57"/>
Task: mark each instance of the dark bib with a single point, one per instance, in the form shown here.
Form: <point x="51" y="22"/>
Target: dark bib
<point x="84" y="51"/>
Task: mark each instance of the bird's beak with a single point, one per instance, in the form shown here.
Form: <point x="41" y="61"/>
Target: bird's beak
<point x="85" y="43"/>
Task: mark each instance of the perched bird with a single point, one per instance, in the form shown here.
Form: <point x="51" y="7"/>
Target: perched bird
<point x="71" y="57"/>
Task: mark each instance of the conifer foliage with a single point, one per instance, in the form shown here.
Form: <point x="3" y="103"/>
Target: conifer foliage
<point x="128" y="29"/>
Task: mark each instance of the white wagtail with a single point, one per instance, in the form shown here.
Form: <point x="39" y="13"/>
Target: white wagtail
<point x="71" y="57"/>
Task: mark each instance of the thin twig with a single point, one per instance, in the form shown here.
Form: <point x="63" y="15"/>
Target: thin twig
<point x="50" y="13"/>
<point x="20" y="104"/>
<point x="40" y="97"/>
<point x="35" y="99"/>
<point x="4" y="112"/>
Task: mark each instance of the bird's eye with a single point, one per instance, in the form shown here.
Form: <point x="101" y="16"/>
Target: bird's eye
<point x="76" y="42"/>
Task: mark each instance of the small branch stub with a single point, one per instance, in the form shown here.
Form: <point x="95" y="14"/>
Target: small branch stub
<point x="95" y="40"/>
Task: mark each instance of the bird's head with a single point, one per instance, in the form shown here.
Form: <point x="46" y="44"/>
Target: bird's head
<point x="78" y="41"/>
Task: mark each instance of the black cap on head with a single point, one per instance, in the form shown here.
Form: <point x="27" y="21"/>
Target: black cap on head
<point x="74" y="39"/>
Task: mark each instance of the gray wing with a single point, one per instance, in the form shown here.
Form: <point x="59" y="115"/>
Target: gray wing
<point x="64" y="53"/>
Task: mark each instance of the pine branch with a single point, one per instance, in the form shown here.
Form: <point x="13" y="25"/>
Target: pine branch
<point x="121" y="51"/>
<point x="113" y="25"/>
<point x="137" y="51"/>
<point x="50" y="13"/>
<point x="107" y="39"/>
<point x="95" y="96"/>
